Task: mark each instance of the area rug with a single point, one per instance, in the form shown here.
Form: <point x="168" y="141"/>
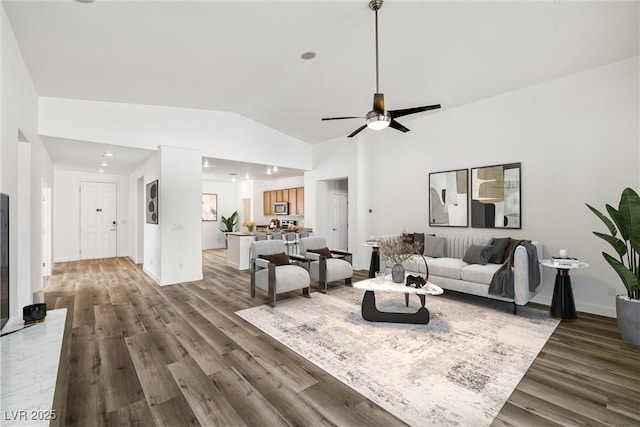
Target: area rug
<point x="458" y="370"/>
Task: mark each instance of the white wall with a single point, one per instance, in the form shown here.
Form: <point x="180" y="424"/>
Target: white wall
<point x="152" y="235"/>
<point x="215" y="134"/>
<point x="18" y="116"/>
<point x="212" y="237"/>
<point x="577" y="138"/>
<point x="66" y="212"/>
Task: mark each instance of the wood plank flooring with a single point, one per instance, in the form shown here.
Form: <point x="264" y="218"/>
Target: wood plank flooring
<point x="145" y="355"/>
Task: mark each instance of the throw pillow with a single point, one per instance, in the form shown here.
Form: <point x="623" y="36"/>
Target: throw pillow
<point x="325" y="252"/>
<point x="510" y="248"/>
<point x="277" y="259"/>
<point x="499" y="245"/>
<point x="419" y="239"/>
<point x="477" y="254"/>
<point x="434" y="246"/>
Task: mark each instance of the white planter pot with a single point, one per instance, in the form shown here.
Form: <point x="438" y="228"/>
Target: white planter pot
<point x="628" y="314"/>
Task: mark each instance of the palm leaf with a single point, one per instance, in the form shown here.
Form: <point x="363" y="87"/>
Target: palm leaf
<point x="607" y="221"/>
<point x="617" y="244"/>
<point x="629" y="279"/>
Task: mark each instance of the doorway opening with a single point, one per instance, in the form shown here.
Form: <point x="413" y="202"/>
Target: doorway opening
<point x="337" y="196"/>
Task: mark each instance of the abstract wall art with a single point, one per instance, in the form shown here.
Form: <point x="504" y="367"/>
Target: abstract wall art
<point x="209" y="207"/>
<point x="448" y="198"/>
<point x="152" y="202"/>
<point x="495" y="196"/>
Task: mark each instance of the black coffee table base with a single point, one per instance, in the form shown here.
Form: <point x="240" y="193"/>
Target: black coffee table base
<point x="371" y="313"/>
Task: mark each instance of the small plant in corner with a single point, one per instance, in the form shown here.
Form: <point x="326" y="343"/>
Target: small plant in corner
<point x="229" y="223"/>
<point x="626" y="221"/>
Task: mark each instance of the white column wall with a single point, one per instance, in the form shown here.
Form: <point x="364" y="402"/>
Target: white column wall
<point x="577" y="138"/>
<point x="180" y="221"/>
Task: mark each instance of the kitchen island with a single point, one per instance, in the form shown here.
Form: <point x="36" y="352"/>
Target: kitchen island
<point x="239" y="247"/>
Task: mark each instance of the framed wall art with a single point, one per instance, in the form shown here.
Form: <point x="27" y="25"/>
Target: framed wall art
<point x="209" y="207"/>
<point x="448" y="198"/>
<point x="152" y="202"/>
<point x="495" y="196"/>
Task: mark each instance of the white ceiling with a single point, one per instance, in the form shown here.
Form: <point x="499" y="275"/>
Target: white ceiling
<point x="244" y="56"/>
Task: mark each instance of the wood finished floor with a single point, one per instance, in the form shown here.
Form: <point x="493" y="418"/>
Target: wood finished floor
<point x="144" y="355"/>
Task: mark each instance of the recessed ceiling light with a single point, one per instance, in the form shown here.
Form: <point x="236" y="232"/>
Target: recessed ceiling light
<point x="107" y="154"/>
<point x="206" y="165"/>
<point x="275" y="169"/>
<point x="268" y="171"/>
<point x="104" y="164"/>
<point x="101" y="170"/>
<point x="246" y="176"/>
<point x="308" y="55"/>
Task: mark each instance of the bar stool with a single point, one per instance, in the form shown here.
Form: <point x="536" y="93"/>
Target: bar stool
<point x="290" y="242"/>
<point x="261" y="236"/>
<point x="276" y="236"/>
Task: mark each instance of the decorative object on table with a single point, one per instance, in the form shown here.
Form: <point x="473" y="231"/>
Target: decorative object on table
<point x="398" y="249"/>
<point x="209" y="207"/>
<point x="250" y="225"/>
<point x="34" y="313"/>
<point x="565" y="262"/>
<point x="416" y="281"/>
<point x="495" y="196"/>
<point x="448" y="198"/>
<point x="563" y="253"/>
<point x="152" y="202"/>
<point x="626" y="221"/>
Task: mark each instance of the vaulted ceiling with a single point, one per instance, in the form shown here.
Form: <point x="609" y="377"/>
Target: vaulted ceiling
<point x="244" y="56"/>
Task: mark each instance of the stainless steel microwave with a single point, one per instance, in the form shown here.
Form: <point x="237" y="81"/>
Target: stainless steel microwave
<point x="281" y="208"/>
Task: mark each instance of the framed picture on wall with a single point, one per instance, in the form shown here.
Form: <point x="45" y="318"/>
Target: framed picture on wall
<point x="495" y="196"/>
<point x="448" y="198"/>
<point x="209" y="207"/>
<point x="152" y="202"/>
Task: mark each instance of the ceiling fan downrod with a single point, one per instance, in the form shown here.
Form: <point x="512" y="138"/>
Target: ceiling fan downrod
<point x="375" y="5"/>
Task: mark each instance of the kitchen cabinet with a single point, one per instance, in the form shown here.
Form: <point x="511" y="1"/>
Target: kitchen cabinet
<point x="267" y="205"/>
<point x="295" y="197"/>
<point x="300" y="201"/>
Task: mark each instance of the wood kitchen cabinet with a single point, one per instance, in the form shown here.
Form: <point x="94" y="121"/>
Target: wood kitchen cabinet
<point x="295" y="197"/>
<point x="267" y="206"/>
<point x="300" y="201"/>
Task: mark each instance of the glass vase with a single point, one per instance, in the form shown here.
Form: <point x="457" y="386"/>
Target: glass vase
<point x="397" y="273"/>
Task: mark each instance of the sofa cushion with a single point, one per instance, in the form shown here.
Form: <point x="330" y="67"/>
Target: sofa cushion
<point x="277" y="259"/>
<point x="479" y="273"/>
<point x="478" y="254"/>
<point x="446" y="267"/>
<point x="435" y="246"/>
<point x="499" y="245"/>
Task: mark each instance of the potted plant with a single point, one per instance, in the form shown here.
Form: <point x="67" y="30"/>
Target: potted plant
<point x="229" y="225"/>
<point x="626" y="221"/>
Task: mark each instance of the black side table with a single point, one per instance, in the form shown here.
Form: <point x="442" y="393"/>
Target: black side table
<point x="374" y="265"/>
<point x="562" y="304"/>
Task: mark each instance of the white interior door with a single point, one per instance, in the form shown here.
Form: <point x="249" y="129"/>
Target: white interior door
<point x="338" y="222"/>
<point x="98" y="220"/>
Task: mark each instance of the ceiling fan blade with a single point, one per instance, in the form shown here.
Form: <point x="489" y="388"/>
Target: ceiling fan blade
<point x="378" y="103"/>
<point x="357" y="131"/>
<point x="407" y="111"/>
<point x="340" y="118"/>
<point x="398" y="126"/>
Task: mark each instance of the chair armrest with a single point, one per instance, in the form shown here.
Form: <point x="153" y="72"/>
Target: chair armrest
<point x="312" y="256"/>
<point x="348" y="256"/>
<point x="261" y="262"/>
<point x="300" y="259"/>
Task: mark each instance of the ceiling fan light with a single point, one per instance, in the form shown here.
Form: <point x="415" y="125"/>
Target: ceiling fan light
<point x="377" y="121"/>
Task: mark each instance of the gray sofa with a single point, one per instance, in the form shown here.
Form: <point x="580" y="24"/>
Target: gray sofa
<point x="452" y="273"/>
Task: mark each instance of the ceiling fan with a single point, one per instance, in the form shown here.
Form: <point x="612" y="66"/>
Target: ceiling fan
<point x="379" y="118"/>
